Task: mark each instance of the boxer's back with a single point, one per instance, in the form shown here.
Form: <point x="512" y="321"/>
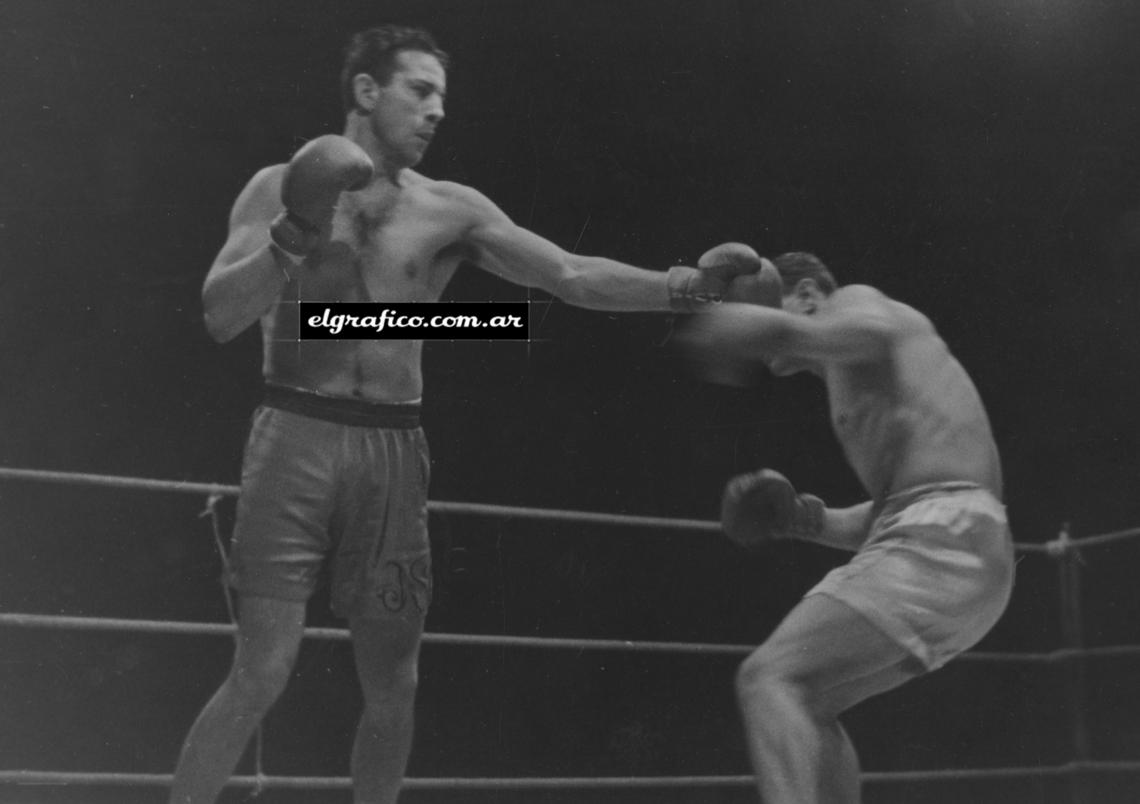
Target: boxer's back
<point x="913" y="416"/>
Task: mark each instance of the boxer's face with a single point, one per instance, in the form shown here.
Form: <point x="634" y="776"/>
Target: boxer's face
<point x="406" y="111"/>
<point x="804" y="298"/>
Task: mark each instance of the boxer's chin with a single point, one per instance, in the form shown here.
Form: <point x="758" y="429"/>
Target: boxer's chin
<point x="783" y="367"/>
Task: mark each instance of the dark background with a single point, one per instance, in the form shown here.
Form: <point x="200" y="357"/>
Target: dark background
<point x="979" y="159"/>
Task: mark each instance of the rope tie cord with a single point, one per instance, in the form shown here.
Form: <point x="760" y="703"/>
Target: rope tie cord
<point x="211" y="512"/>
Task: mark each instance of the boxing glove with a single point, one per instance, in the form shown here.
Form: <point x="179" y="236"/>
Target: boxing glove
<point x="765" y="287"/>
<point x="708" y="283"/>
<point x="760" y="507"/>
<point x="315" y="177"/>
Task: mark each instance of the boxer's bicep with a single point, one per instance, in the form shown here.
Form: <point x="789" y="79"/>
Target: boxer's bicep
<point x="255" y="207"/>
<point x="840" y="338"/>
<point x="520" y="256"/>
<point x="498" y="245"/>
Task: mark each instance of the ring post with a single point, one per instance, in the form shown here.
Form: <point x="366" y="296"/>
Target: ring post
<point x="1073" y="635"/>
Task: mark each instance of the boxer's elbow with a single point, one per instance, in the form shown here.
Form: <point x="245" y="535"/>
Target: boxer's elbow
<point x="216" y="328"/>
<point x="597" y="284"/>
<point x="575" y="289"/>
<point x="570" y="283"/>
<point x="221" y="323"/>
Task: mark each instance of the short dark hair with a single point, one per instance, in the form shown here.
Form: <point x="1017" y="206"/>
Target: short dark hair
<point x="796" y="265"/>
<point x="374" y="52"/>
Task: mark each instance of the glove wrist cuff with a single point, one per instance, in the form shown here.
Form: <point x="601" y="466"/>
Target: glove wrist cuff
<point x="810" y="512"/>
<point x="685" y="294"/>
<point x="293" y="235"/>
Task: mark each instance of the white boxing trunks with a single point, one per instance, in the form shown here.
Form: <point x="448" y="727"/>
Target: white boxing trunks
<point x="936" y="571"/>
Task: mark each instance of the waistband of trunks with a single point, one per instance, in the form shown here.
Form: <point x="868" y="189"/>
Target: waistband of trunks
<point x="907" y="497"/>
<point x="352" y="412"/>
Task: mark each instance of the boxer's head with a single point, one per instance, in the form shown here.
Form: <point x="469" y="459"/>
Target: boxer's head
<point x="373" y="53"/>
<point x="394" y="81"/>
<point x="806" y="281"/>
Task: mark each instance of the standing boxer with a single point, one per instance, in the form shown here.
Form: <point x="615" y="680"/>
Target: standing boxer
<point x="335" y="472"/>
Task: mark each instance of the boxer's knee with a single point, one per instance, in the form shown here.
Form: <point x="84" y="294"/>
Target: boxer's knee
<point x="389" y="690"/>
<point x="258" y="682"/>
<point x="767" y="682"/>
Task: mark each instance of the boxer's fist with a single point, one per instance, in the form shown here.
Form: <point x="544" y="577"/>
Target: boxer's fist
<point x="315" y="177"/>
<point x="729" y="260"/>
<point x="760" y="507"/>
<point x="708" y="283"/>
<point x="765" y="287"/>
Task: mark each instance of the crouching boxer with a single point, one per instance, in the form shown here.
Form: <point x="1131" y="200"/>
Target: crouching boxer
<point x="933" y="564"/>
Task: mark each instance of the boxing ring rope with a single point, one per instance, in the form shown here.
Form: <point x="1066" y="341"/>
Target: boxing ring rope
<point x="1065" y="549"/>
<point x="1068" y="770"/>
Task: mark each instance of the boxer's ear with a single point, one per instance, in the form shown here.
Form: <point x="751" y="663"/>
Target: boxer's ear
<point x="364" y="91"/>
<point x="807" y="295"/>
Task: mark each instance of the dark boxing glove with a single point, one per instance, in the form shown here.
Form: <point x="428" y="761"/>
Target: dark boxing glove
<point x="709" y="282"/>
<point x="315" y="177"/>
<point x="765" y="287"/>
<point x="760" y="507"/>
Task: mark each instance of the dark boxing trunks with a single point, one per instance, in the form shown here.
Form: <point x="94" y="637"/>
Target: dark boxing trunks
<point x="336" y="481"/>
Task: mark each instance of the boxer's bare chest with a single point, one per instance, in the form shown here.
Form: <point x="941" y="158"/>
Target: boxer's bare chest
<point x="386" y="244"/>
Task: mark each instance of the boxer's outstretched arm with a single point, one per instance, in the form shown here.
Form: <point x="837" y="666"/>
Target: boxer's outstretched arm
<point x="248" y="274"/>
<point x="500" y="246"/>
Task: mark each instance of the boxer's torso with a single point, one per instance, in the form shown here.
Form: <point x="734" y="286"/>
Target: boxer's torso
<point x="386" y="244"/>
